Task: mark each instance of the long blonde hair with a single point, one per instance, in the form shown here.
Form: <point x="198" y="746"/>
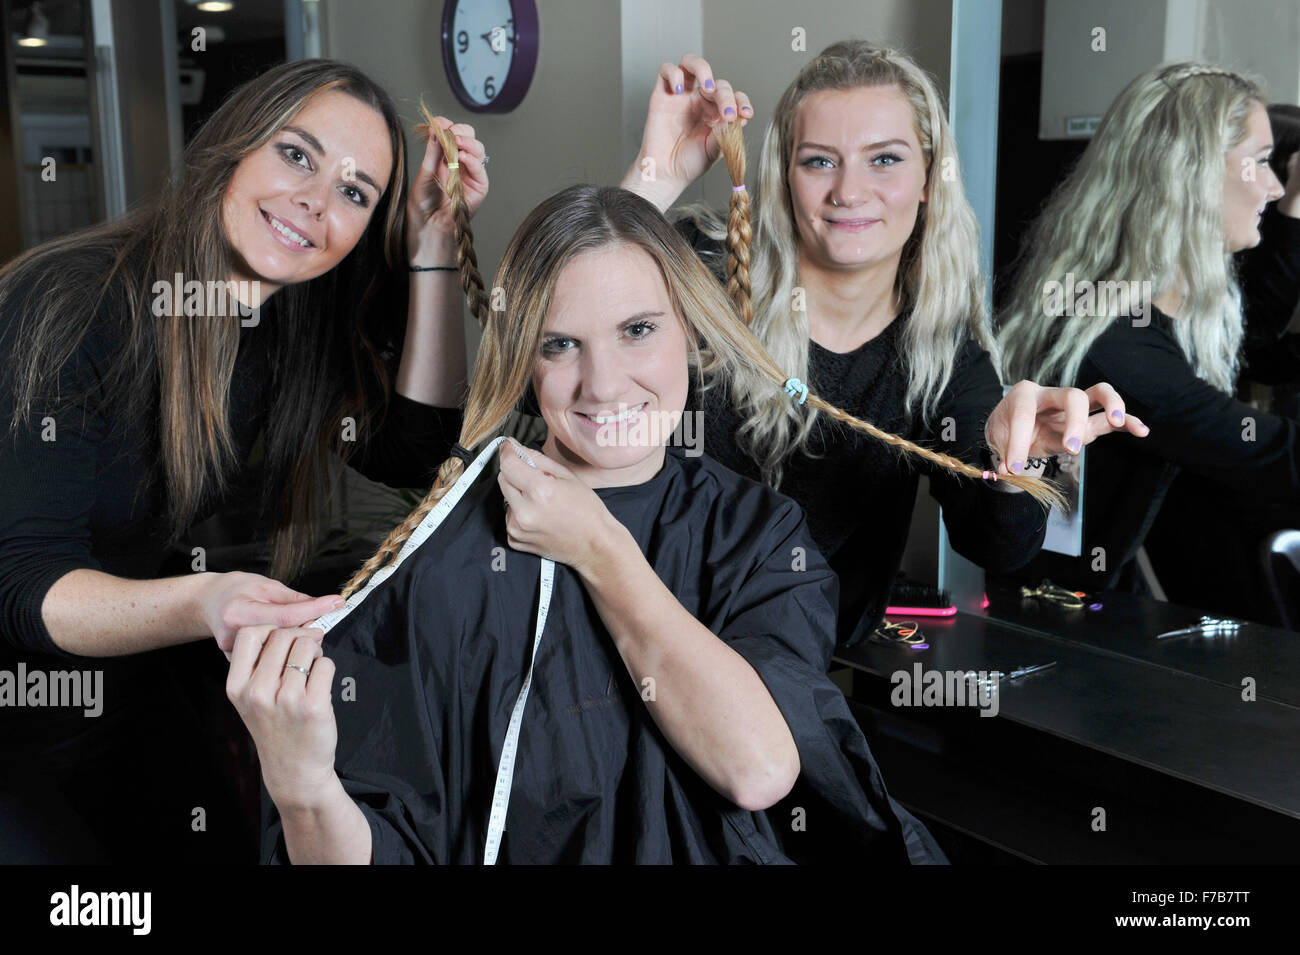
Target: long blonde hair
<point x="582" y="219"/>
<point x="939" y="276"/>
<point x="1144" y="204"/>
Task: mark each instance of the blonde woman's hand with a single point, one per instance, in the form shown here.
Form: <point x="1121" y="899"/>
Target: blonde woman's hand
<point x="430" y="226"/>
<point x="678" y="145"/>
<point x="550" y="512"/>
<point x="288" y="712"/>
<point x="237" y="599"/>
<point x="1032" y="421"/>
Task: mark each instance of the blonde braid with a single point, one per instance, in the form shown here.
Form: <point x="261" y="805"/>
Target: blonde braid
<point x="448" y="473"/>
<point x="739" y="233"/>
<point x="470" y="280"/>
<point x="1040" y="490"/>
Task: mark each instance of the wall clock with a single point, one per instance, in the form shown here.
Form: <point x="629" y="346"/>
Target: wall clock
<point x="489" y="50"/>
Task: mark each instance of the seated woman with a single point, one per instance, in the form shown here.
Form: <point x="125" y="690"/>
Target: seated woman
<point x="1174" y="182"/>
<point x="617" y="655"/>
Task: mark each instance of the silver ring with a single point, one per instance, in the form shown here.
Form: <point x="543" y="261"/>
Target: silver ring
<point x="293" y="666"/>
<point x="485" y="159"/>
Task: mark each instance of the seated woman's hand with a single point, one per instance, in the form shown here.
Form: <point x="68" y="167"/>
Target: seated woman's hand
<point x="687" y="103"/>
<point x="279" y="682"/>
<point x="1032" y="421"/>
<point x="549" y="511"/>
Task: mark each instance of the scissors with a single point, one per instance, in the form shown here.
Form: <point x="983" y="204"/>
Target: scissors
<point x="1208" y="627"/>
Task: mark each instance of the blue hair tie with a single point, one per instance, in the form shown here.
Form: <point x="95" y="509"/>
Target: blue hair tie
<point x="796" y="388"/>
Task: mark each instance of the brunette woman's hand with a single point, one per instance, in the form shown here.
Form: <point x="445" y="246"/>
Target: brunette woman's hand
<point x="287" y="711"/>
<point x="1032" y="421"/>
<point x="430" y="227"/>
<point x="234" y="600"/>
<point x="550" y="512"/>
<point x="678" y="144"/>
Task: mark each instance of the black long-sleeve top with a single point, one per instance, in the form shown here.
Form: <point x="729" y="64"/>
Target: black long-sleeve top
<point x="1270" y="284"/>
<point x="857" y="492"/>
<point x="1195" y="428"/>
<point x="93" y="498"/>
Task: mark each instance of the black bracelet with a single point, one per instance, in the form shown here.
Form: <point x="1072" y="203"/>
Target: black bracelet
<point x="433" y="268"/>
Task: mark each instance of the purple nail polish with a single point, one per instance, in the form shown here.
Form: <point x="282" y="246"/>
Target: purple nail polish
<point x="1118" y="416"/>
<point x="1074" y="444"/>
<point x="1094" y="606"/>
<point x="708" y="84"/>
<point x="679" y="88"/>
<point x="729" y="111"/>
<point x="1017" y="466"/>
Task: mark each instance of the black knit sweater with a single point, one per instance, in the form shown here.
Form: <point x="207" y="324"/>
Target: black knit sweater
<point x="857" y="492"/>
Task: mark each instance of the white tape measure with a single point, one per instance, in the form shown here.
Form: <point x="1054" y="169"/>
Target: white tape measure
<point x="437" y="514"/>
<point x="510" y="748"/>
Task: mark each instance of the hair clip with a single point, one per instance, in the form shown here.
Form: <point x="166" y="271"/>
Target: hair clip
<point x="796" y="388"/>
<point x="907" y="632"/>
<point x="989" y="475"/>
<point x="1071" y="599"/>
<point x="739" y="188"/>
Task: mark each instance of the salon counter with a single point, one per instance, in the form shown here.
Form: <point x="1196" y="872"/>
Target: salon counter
<point x="1129" y="749"/>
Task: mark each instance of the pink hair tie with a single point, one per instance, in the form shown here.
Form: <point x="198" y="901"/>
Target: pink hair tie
<point x="990" y="475"/>
<point x="739" y="188"/>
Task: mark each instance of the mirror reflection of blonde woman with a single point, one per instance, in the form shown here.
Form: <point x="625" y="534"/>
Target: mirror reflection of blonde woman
<point x="1174" y="182"/>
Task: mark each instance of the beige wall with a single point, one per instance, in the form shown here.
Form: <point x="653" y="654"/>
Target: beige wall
<point x="566" y="131"/>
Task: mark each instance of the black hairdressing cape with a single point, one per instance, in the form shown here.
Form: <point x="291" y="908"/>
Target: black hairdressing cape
<point x="438" y="653"/>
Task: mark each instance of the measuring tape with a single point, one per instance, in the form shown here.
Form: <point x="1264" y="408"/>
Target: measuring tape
<point x="546" y="581"/>
<point x="510" y="748"/>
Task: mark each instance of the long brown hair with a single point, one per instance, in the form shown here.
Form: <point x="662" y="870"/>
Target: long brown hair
<point x="582" y="219"/>
<point x="333" y="337"/>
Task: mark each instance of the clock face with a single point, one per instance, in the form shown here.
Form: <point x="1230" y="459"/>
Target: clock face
<point x="489" y="54"/>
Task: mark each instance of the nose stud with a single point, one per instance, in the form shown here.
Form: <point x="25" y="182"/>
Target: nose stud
<point x="835" y="202"/>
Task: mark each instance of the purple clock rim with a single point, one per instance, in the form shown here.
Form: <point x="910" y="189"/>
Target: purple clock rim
<point x="522" y="66"/>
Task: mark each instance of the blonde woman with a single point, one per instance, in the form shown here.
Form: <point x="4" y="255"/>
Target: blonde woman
<point x="1174" y="182"/>
<point x="631" y="642"/>
<point x="865" y="283"/>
